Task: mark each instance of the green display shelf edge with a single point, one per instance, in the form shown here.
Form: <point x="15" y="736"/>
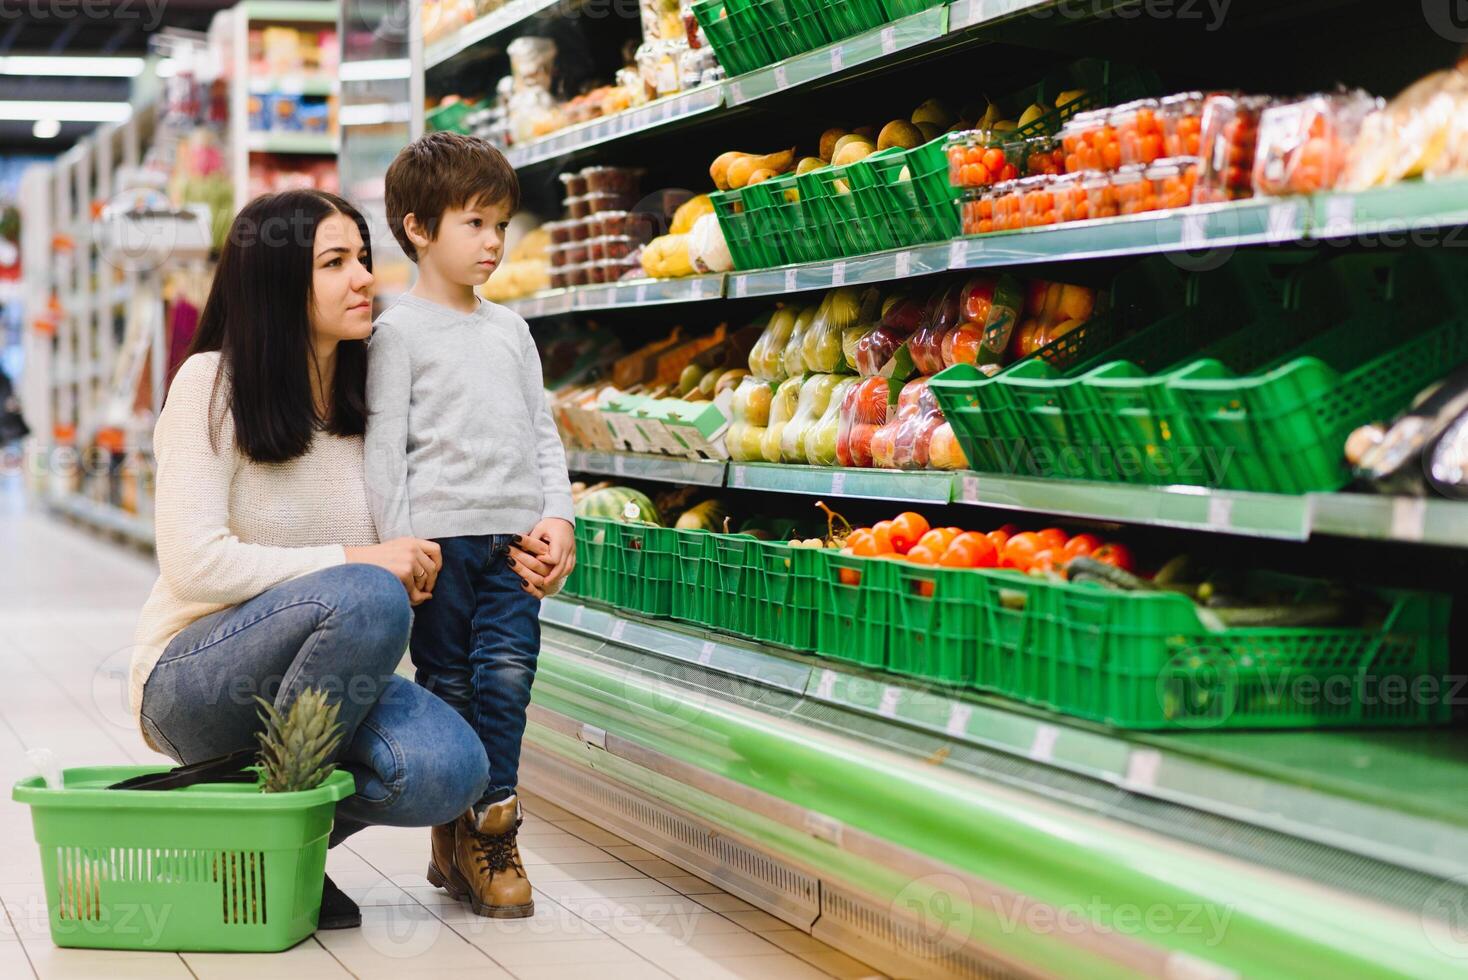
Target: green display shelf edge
<point x="645" y="466"/>
<point x="1275" y="926"/>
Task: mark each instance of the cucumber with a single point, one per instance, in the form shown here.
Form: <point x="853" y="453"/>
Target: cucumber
<point x="1293" y="615"/>
<point x="1090" y="568"/>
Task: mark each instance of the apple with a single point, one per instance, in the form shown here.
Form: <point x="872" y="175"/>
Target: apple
<point x="860" y="443"/>
<point x="904" y="316"/>
<point x="884" y="446"/>
<point x="944" y="452"/>
<point x="961" y="345"/>
<point x="1076" y="302"/>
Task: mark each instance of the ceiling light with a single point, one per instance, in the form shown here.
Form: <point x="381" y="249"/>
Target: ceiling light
<point x="26" y="111"/>
<point x="46" y="129"/>
<point x="166" y="68"/>
<point x="80" y="67"/>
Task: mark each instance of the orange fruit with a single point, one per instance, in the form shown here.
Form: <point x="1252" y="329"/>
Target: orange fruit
<point x="907" y="530"/>
<point x="1020" y="551"/>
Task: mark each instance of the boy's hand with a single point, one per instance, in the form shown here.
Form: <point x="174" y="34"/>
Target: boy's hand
<point x="545" y="556"/>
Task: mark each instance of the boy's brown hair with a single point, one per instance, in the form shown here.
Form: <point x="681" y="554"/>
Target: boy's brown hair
<point x="441" y="171"/>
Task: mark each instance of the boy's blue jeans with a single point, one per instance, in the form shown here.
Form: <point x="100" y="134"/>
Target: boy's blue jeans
<point x="475" y="645"/>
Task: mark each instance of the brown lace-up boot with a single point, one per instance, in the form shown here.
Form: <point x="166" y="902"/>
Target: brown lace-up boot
<point x="441" y="871"/>
<point x="488" y="857"/>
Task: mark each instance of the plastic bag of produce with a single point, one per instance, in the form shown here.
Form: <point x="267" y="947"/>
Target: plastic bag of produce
<point x="839" y="311"/>
<point x="944" y="452"/>
<point x="815" y="393"/>
<point x="851" y="339"/>
<point x="1228" y="141"/>
<point x="991" y="307"/>
<point x="767" y="357"/>
<point x="822" y="439"/>
<point x="875" y="349"/>
<point x="940" y="315"/>
<point x="782" y="410"/>
<point x="793" y="356"/>
<point x="864" y="408"/>
<point x="749" y="418"/>
<point x="1303" y="144"/>
<point x="903" y="442"/>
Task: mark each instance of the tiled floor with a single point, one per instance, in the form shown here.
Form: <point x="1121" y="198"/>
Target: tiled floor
<point x="605" y="909"/>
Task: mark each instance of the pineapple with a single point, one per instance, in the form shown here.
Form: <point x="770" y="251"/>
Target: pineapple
<point x="294" y="749"/>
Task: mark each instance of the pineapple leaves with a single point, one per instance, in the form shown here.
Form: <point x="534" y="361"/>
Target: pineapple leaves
<point x="295" y="749"/>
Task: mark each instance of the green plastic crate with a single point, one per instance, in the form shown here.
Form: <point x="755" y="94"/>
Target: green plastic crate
<point x="844" y="196"/>
<point x="849" y="618"/>
<point x="597" y="541"/>
<point x="778" y="29"/>
<point x="1146" y="661"/>
<point x="750" y="245"/>
<point x="450" y="118"/>
<point x="898" y="9"/>
<point x="217" y="867"/>
<point x="840" y="19"/>
<point x="648" y="559"/>
<point x="913" y="191"/>
<point x="727" y="584"/>
<point x="788" y="213"/>
<point x="770" y="576"/>
<point x="935" y="618"/>
<point x="733" y="32"/>
<point x="692" y="578"/>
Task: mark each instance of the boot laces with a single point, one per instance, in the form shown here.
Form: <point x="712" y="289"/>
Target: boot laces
<point x="496" y="852"/>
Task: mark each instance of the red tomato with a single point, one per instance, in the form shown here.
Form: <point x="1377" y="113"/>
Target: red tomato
<point x="882" y="537"/>
<point x="1020" y="551"/>
<point x="923" y="555"/>
<point x="908" y="529"/>
<point x="938" y="539"/>
<point x="968" y="550"/>
<point x="1053" y="537"/>
<point x="1081" y="544"/>
<point x="1115" y="555"/>
<point x="999" y="540"/>
<point x="1010" y="529"/>
<point x="984" y="553"/>
<point x="1043" y="562"/>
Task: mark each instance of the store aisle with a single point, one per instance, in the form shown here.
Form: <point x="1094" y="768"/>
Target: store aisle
<point x="67" y="607"/>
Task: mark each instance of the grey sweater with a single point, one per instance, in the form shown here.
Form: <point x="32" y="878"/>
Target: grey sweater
<point x="459" y="439"/>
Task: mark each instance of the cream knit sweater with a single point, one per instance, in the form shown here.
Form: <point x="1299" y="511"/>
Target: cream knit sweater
<point x="228" y="528"/>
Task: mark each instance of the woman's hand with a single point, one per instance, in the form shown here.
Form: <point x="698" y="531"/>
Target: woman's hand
<point x="545" y="556"/>
<point x="412" y="561"/>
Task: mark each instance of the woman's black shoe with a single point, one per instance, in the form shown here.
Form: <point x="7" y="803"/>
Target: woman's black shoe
<point x="337" y="910"/>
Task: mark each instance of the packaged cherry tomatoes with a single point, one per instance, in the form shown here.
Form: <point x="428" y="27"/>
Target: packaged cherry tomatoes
<point x="1303" y="145"/>
<point x="865" y="408"/>
<point x="1181" y="116"/>
<point x="1229" y="137"/>
<point x="1138" y="131"/>
<point x="1089" y="142"/>
<point x="991" y="306"/>
<point x="974" y="161"/>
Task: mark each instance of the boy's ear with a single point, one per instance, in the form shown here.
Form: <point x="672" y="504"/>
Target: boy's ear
<point x="417" y="234"/>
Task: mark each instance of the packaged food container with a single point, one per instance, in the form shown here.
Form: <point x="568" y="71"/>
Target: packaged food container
<point x="1071" y="203"/>
<point x="595" y="249"/>
<point x="1138" y="131"/>
<point x="577" y="275"/>
<point x="1037" y="201"/>
<point x="617" y="180"/>
<point x="618" y="246"/>
<point x="975" y="161"/>
<point x="610" y="201"/>
<point x="614" y="270"/>
<point x="1229" y="137"/>
<point x="575" y="185"/>
<point x="556" y="255"/>
<point x="1302" y="145"/>
<point x="638" y="225"/>
<point x="559" y="231"/>
<point x="1182" y="121"/>
<point x="1173" y="179"/>
<point x="1006" y="205"/>
<point x="1100" y="194"/>
<point x="580" y="228"/>
<point x="978" y="211"/>
<point x="576" y="253"/>
<point x="1037" y="155"/>
<point x="560" y="278"/>
<point x="578" y="207"/>
<point x="595" y="273"/>
<point x="1089" y="142"/>
<point x="1134" y="194"/>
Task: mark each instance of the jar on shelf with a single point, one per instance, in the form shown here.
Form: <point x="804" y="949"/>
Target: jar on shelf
<point x="1182" y="123"/>
<point x="1173" y="180"/>
<point x="1138" y="131"/>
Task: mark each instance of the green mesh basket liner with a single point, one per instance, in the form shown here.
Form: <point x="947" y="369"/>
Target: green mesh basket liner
<point x="693" y="578"/>
<point x="773" y="615"/>
<point x="749" y="247"/>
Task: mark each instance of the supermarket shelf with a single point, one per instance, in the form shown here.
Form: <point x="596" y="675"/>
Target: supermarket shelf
<point x="878" y="267"/>
<point x="920" y="486"/>
<point x="293" y="85"/>
<point x="824" y="770"/>
<point x="823" y="63"/>
<point x="297" y="143"/>
<point x="1386" y="211"/>
<point x="292" y="11"/>
<point x="665" y="111"/>
<point x="646" y="466"/>
<point x="104" y="517"/>
<point x="617" y="295"/>
<point x="550" y="302"/>
<point x="471" y="34"/>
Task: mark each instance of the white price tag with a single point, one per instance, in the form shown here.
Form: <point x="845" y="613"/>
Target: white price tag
<point x="1220" y="512"/>
<point x="838" y="58"/>
<point x="1042" y="749"/>
<point x="577" y="614"/>
<point x="969" y="491"/>
<point x="741" y="286"/>
<point x="1141" y="769"/>
<point x="889" y="39"/>
<point x="736" y="92"/>
<point x="739" y="477"/>
<point x="1284" y="219"/>
<point x="822" y="827"/>
<point x="838" y="273"/>
<point x="706" y="653"/>
<point x="826" y="685"/>
<point x="1340" y="213"/>
<point x="957" y="253"/>
<point x="641" y="294"/>
<point x="789" y="280"/>
<point x="838" y="482"/>
<point x="904" y="265"/>
<point x="1409" y="517"/>
<point x="618" y="628"/>
<point x="619" y="465"/>
<point x="695" y="289"/>
<point x="782" y="80"/>
<point x="958" y="717"/>
<point x="1194" y="231"/>
<point x="887" y="708"/>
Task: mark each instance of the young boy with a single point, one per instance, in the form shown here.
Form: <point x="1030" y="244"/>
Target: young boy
<point x="462" y="449"/>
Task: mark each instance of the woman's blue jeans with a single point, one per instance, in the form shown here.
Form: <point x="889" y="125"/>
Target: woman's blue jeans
<point x="342" y="630"/>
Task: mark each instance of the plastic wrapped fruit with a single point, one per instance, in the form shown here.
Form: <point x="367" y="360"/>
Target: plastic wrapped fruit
<point x="1138" y="131"/>
<point x="864" y="409"/>
<point x="940" y="316"/>
<point x="793" y="357"/>
<point x="1173" y="181"/>
<point x="815" y="394"/>
<point x="1228" y="140"/>
<point x="1303" y="145"/>
<point x="822" y="439"/>
<point x="944" y="452"/>
<point x="851" y="339"/>
<point x="767" y="356"/>
<point x="991" y="307"/>
<point x="903" y="442"/>
<point x="902" y="313"/>
<point x="1090" y="142"/>
<point x="782" y="410"/>
<point x="839" y="311"/>
<point x="875" y="349"/>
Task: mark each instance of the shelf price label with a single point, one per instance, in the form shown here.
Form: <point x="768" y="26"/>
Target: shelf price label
<point x="1340" y="213"/>
<point x="904" y="265"/>
<point x="741" y="286"/>
<point x="790" y="277"/>
<point x="1141" y="769"/>
<point x="695" y="289"/>
<point x="1220" y="512"/>
<point x="618" y="628"/>
<point x="1042" y="748"/>
<point x="1194" y="231"/>
<point x="838" y="482"/>
<point x="740" y="480"/>
<point x="736" y="92"/>
<point x="958" y="717"/>
<point x="706" y="653"/>
<point x="889" y="39"/>
<point x="887" y="707"/>
<point x="641" y="294"/>
<point x="577" y="614"/>
<point x="838" y="58"/>
<point x="957" y="253"/>
<point x="1284" y="219"/>
<point x="826" y="684"/>
<point x="1409" y="518"/>
<point x="838" y="273"/>
<point x="782" y="80"/>
<point x="969" y="489"/>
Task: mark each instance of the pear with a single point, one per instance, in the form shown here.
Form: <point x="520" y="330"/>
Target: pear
<point x="846" y="141"/>
<point x="1030" y="115"/>
<point x="807" y="164"/>
<point x="1004" y="126"/>
<point x="852" y="152"/>
<point x="689" y="379"/>
<point x="899" y="133"/>
<point x="759" y="176"/>
<point x="929" y="130"/>
<point x="828" y="141"/>
<point x="991" y="116"/>
<point x="1069" y="95"/>
<point x="935" y="112"/>
<point x="707" y="383"/>
<point x="719" y="171"/>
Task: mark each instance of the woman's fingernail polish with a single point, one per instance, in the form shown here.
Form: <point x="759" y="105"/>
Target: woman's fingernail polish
<point x="516" y="537"/>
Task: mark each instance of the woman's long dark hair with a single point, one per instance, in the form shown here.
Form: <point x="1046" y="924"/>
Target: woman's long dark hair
<point x="258" y="318"/>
